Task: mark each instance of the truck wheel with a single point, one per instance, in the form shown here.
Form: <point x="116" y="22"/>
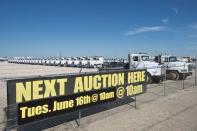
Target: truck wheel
<point x="149" y="79"/>
<point x="182" y="77"/>
<point x="174" y="75"/>
<point x="157" y="80"/>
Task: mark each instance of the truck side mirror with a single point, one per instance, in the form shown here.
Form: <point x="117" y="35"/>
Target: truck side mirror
<point x="158" y="59"/>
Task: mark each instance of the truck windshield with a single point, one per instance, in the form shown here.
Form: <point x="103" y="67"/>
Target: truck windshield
<point x="172" y="59"/>
<point x="145" y="58"/>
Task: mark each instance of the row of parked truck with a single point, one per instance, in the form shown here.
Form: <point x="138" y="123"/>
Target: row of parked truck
<point x="70" y="62"/>
<point x="88" y="62"/>
<point x="158" y="68"/>
<point x="3" y="58"/>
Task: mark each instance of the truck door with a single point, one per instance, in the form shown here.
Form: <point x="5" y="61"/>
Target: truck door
<point x="135" y="61"/>
<point x="166" y="61"/>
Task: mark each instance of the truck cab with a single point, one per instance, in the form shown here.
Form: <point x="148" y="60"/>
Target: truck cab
<point x="69" y="62"/>
<point x="40" y="61"/>
<point x="63" y="61"/>
<point x="155" y="71"/>
<point x="176" y="70"/>
<point x="83" y="62"/>
<point x="76" y="61"/>
<point x="36" y="61"/>
<point x="95" y="62"/>
<point x="52" y="61"/>
<point x="57" y="61"/>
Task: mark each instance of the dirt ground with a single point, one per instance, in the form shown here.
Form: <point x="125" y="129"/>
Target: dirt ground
<point x="176" y="111"/>
<point x="10" y="71"/>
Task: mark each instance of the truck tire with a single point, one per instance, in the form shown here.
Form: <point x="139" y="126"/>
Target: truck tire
<point x="174" y="75"/>
<point x="182" y="77"/>
<point x="149" y="79"/>
<point x="156" y="80"/>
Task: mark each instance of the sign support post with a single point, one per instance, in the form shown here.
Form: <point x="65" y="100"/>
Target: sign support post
<point x="79" y="122"/>
<point x="135" y="102"/>
<point x="79" y="118"/>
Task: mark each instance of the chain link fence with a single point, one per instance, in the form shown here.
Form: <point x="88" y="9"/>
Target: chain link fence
<point x="3" y="103"/>
<point x="154" y="91"/>
<point x="168" y="86"/>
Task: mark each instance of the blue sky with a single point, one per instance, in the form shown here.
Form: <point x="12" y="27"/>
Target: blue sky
<point x="97" y="27"/>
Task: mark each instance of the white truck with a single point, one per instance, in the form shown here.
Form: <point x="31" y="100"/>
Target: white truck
<point x="36" y="60"/>
<point x="44" y="60"/>
<point x="3" y="59"/>
<point x="83" y="62"/>
<point x="40" y="61"/>
<point x="155" y="71"/>
<point x="47" y="62"/>
<point x="69" y="62"/>
<point x="76" y="61"/>
<point x="176" y="70"/>
<point x="57" y="61"/>
<point x="63" y="61"/>
<point x="95" y="62"/>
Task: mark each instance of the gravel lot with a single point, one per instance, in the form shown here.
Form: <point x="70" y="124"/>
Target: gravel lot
<point x="176" y="111"/>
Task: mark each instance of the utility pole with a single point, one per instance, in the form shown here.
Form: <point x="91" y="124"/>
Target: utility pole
<point x="60" y="55"/>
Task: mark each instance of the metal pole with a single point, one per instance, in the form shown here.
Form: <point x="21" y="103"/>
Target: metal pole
<point x="164" y="89"/>
<point x="80" y="70"/>
<point x="5" y="115"/>
<point x="183" y="81"/>
<point x="79" y="117"/>
<point x="135" y="102"/>
<point x="164" y="85"/>
<point x="195" y="69"/>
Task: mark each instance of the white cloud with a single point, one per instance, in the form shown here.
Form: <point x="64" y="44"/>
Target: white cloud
<point x="193" y="26"/>
<point x="145" y="29"/>
<point x="192" y="43"/>
<point x="165" y="21"/>
<point x="193" y="36"/>
<point x="176" y="10"/>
